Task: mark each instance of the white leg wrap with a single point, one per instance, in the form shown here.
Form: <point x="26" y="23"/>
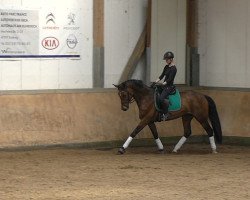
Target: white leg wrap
<point x="159" y="144"/>
<point x="180" y="143"/>
<point x="212" y="143"/>
<point x="126" y="144"/>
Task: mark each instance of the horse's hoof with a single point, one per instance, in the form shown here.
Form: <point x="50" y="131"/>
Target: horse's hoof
<point x="161" y="151"/>
<point x="214" y="152"/>
<point x="174" y="151"/>
<point x="121" y="151"/>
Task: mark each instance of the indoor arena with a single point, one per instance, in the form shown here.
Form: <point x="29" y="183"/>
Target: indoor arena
<point x="82" y="113"/>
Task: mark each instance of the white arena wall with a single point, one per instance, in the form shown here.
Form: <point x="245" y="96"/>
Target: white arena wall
<point x="37" y="74"/>
<point x="224" y="43"/>
<point x="123" y="21"/>
<point x="168" y="34"/>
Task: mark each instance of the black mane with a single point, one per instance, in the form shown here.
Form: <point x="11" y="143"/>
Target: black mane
<point x="134" y="82"/>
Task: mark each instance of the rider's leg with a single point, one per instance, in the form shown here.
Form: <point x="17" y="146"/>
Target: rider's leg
<point x="164" y="96"/>
<point x="164" y="102"/>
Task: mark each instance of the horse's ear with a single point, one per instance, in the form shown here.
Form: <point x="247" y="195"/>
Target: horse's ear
<point x="115" y="85"/>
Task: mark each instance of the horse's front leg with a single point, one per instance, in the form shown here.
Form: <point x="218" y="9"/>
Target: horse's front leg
<point x="156" y="137"/>
<point x="140" y="126"/>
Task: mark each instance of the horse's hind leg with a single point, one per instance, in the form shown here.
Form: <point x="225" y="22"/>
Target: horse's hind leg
<point x="186" y="120"/>
<point x="209" y="131"/>
<point x="155" y="134"/>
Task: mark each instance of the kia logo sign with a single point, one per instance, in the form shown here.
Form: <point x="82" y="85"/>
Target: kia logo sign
<point x="50" y="43"/>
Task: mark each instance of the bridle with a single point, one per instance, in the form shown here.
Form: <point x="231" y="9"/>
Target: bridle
<point x="129" y="99"/>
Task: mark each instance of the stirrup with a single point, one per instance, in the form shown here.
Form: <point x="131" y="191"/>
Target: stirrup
<point x="165" y="116"/>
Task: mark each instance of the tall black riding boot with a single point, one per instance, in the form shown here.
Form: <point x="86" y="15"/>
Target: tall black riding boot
<point x="165" y="114"/>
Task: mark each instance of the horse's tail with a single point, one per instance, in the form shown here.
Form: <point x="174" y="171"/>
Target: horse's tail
<point x="214" y="118"/>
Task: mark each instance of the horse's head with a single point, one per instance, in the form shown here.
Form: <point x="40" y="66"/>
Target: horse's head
<point x="125" y="94"/>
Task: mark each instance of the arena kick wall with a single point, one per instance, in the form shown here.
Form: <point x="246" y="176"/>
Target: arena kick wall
<point x="95" y="116"/>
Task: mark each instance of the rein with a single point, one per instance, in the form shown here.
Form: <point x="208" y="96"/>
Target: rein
<point x="131" y="100"/>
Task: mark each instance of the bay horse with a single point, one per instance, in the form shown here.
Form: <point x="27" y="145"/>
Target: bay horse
<point x="193" y="105"/>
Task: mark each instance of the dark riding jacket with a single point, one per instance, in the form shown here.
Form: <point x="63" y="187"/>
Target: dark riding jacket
<point x="169" y="73"/>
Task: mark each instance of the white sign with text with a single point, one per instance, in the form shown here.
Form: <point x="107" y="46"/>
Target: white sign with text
<point x="42" y="33"/>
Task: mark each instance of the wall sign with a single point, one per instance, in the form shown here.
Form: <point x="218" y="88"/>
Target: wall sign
<point x="40" y="33"/>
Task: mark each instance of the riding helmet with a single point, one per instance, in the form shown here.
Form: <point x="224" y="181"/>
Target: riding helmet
<point x="168" y="55"/>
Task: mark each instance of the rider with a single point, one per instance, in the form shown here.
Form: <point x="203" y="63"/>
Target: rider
<point x="169" y="72"/>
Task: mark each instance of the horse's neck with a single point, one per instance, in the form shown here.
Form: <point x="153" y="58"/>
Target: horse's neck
<point x="140" y="94"/>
